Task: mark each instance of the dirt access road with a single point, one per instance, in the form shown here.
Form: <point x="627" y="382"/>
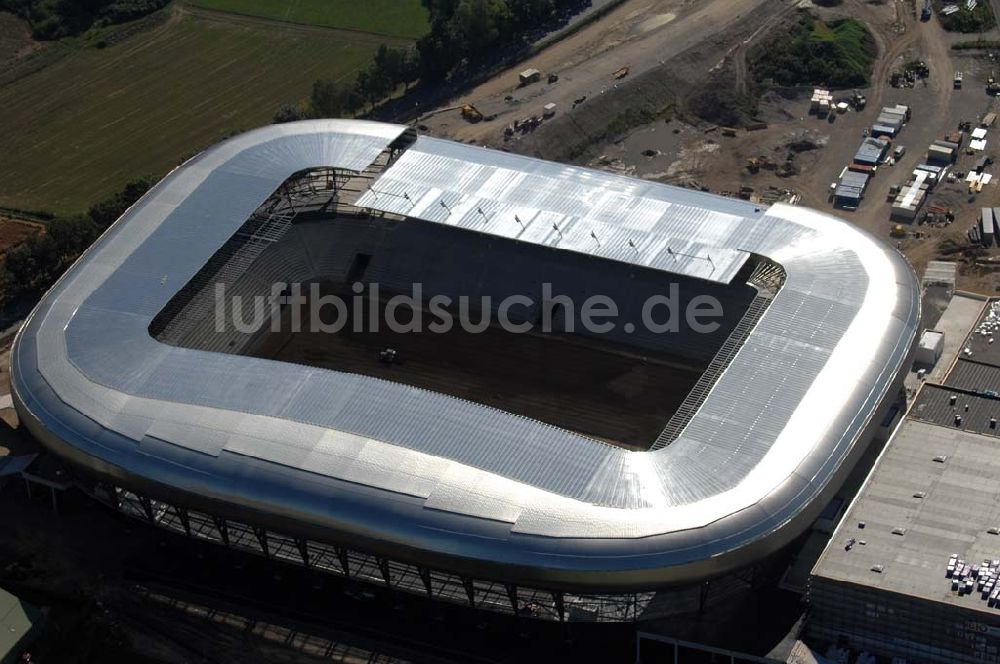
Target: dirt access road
<point x="639" y="34"/>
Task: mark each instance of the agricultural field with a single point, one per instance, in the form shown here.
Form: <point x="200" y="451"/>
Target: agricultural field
<point x="398" y="18"/>
<point x="79" y="128"/>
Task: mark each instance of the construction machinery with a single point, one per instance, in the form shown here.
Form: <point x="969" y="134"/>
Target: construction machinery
<point x="992" y="85"/>
<point x="471" y="113"/>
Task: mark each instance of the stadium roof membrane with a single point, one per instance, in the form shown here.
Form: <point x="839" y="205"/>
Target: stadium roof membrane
<point x="445" y="482"/>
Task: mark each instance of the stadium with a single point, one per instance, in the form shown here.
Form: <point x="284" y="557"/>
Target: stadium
<point x="575" y="473"/>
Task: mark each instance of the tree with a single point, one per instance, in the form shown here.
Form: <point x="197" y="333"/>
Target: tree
<point x="410" y="70"/>
<point x="329" y="99"/>
<point x="71" y="235"/>
<point x="288" y="113"/>
<point x="106" y="212"/>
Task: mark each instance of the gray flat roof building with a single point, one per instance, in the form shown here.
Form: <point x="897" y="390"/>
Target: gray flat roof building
<point x="882" y="582"/>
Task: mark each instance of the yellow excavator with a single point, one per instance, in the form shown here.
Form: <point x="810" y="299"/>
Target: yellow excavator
<point x="471" y="113"/>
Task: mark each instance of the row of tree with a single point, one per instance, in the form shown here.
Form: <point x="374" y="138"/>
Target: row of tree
<point x="36" y="263"/>
<point x="464" y="33"/>
<point x="388" y="70"/>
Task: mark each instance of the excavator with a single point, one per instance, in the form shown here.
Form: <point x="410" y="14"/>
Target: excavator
<point x="471" y="113"/>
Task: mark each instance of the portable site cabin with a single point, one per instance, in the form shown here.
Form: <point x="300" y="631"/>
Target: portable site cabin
<point x="930" y="348"/>
<point x="851" y="190"/>
<point x="902" y="109"/>
<point x="928" y="175"/>
<point x="870" y="151"/>
<point x="890" y="118"/>
<point x="911" y="197"/>
<point x="909" y="201"/>
<point x="884" y="130"/>
<point x="529" y="76"/>
<point x="986" y="226"/>
<point x="937" y="154"/>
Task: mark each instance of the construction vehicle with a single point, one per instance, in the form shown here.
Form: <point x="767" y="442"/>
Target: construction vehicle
<point x="925" y="14"/>
<point x="897" y="231"/>
<point x="471" y="113"/>
<point x="992" y="85"/>
<point x="620" y="74"/>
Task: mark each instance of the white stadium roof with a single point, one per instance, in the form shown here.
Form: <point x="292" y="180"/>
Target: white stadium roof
<point x="443" y="481"/>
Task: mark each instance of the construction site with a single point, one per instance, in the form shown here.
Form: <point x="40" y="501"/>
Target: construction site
<point x="627" y="93"/>
<point x="898" y="563"/>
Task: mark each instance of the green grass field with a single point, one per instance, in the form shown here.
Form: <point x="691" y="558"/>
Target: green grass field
<point x="839" y="54"/>
<point x="850" y="40"/>
<point x="399" y="18"/>
<point x="77" y="130"/>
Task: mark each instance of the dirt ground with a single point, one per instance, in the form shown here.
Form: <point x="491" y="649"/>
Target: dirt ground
<point x="15" y="39"/>
<point x="15" y="231"/>
<point x="642" y="35"/>
<point x="682" y="41"/>
<point x="585" y="385"/>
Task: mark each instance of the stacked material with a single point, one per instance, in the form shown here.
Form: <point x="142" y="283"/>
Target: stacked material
<point x="821" y="101"/>
<point x="911" y="197"/>
<point x="978" y="141"/>
<point x="958" y="137"/>
<point x="982" y="577"/>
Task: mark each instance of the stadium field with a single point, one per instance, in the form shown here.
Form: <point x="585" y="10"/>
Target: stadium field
<point x="398" y="18"/>
<point x="97" y="118"/>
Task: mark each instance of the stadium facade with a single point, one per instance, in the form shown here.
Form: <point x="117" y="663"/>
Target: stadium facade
<point x="116" y="373"/>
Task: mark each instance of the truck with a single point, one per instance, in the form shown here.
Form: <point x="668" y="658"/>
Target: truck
<point x="958" y="80"/>
<point x="925" y="14"/>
